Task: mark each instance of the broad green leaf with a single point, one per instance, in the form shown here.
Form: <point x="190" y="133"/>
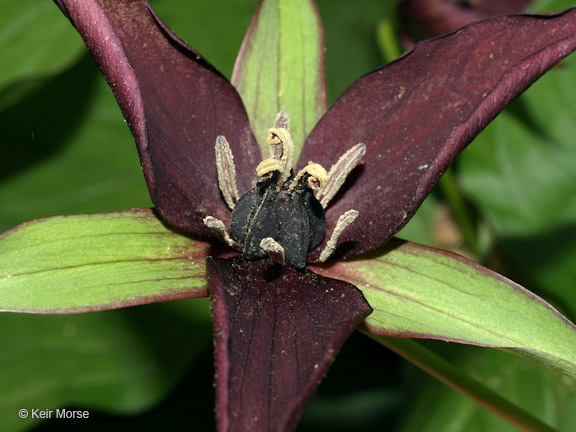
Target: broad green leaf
<point x="119" y="362"/>
<point x="215" y="28"/>
<point x="538" y="6"/>
<point x="281" y="67"/>
<point x="34" y="40"/>
<point x="66" y="149"/>
<point x="436" y="408"/>
<point x="66" y="264"/>
<point x="351" y="48"/>
<point x="423" y="292"/>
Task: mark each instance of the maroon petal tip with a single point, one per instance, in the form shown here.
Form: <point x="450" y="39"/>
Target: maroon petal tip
<point x="416" y="114"/>
<point x="176" y="105"/>
<point x="276" y="331"/>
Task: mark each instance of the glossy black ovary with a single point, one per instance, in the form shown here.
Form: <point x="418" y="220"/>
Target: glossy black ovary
<point x="294" y="220"/>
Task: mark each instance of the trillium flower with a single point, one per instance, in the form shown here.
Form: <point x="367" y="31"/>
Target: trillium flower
<point x="287" y="234"/>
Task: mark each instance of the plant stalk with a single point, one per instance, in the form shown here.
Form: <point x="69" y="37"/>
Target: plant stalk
<point x="459" y="209"/>
<point x="459" y="381"/>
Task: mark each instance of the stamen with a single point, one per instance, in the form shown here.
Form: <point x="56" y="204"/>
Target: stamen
<point x="267" y="167"/>
<point x="317" y="179"/>
<point x="226" y="172"/>
<point x="281" y="136"/>
<point x="339" y="172"/>
<point x="274" y="250"/>
<point x="219" y="230"/>
<point x="344" y="222"/>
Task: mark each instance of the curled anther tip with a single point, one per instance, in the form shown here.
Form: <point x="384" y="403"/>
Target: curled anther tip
<point x="274" y="250"/>
<point x="317" y="177"/>
<point x="268" y="167"/>
<point x="278" y="136"/>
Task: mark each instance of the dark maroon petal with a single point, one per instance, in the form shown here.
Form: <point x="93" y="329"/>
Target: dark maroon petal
<point x="176" y="104"/>
<point x="276" y="332"/>
<point x="418" y="113"/>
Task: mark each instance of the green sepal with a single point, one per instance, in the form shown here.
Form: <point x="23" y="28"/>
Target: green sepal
<point x="281" y="67"/>
<point x="417" y="291"/>
<point x="68" y="264"/>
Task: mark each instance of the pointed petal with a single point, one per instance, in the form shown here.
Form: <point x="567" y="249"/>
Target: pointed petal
<point x="82" y="263"/>
<point x="176" y="104"/>
<point x="416" y="115"/>
<point x="276" y="333"/>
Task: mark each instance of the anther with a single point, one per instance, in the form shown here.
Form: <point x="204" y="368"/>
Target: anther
<point x="338" y="173"/>
<point x="268" y="167"/>
<point x="274" y="250"/>
<point x="343" y="222"/>
<point x="219" y="230"/>
<point x="226" y="172"/>
<point x="281" y="137"/>
<point x="316" y="180"/>
<point x="282" y="121"/>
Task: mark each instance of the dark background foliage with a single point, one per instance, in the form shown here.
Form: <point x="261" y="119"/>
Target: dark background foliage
<point x="66" y="149"/>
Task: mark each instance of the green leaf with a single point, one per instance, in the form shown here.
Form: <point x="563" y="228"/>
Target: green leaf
<point x="66" y="264"/>
<point x="67" y="150"/>
<point x="437" y="408"/>
<point x="214" y="28"/>
<point x="34" y="40"/>
<point x="539" y="6"/>
<point x="121" y="361"/>
<point x="351" y="49"/>
<point x="281" y="67"/>
<point x="418" y="291"/>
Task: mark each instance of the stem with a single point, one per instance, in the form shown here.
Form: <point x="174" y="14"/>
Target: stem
<point x="451" y="192"/>
<point x="387" y="33"/>
<point x="459" y="381"/>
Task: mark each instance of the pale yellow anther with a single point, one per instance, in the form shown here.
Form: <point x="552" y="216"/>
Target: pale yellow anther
<point x="339" y="172"/>
<point x="279" y="138"/>
<point x="226" y="172"/>
<point x="317" y="176"/>
<point x="343" y="222"/>
<point x="274" y="250"/>
<point x="268" y="167"/>
<point x="219" y="230"/>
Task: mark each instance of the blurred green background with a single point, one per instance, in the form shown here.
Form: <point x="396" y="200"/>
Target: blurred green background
<point x="66" y="149"/>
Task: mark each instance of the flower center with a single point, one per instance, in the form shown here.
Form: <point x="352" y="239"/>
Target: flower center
<point x="281" y="218"/>
<point x="281" y="207"/>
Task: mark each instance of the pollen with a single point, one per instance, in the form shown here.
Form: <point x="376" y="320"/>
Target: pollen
<point x="282" y="217"/>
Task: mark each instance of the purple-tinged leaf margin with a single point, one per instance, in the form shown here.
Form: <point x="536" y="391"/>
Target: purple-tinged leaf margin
<point x="276" y="333"/>
<point x="417" y="114"/>
<point x="93" y="262"/>
<point x="418" y="291"/>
